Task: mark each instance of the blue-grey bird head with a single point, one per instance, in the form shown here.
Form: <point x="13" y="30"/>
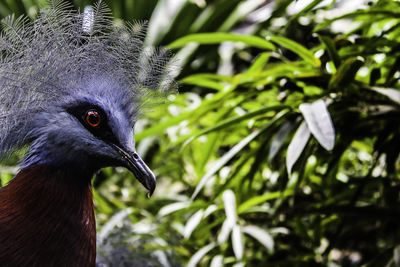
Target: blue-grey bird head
<point x="72" y="86"/>
<point x="89" y="130"/>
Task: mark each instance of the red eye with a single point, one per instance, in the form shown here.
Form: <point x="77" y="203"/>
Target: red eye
<point x="93" y="118"/>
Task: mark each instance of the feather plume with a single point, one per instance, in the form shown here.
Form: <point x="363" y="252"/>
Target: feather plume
<point x="43" y="62"/>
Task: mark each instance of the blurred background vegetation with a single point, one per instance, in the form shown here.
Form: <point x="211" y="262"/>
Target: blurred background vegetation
<point x="281" y="147"/>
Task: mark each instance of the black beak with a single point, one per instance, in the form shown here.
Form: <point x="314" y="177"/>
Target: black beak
<point x="137" y="166"/>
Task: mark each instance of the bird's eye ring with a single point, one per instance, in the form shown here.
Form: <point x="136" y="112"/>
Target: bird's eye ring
<point x="93" y="118"/>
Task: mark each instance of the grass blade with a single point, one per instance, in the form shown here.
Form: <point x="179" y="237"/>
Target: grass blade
<point x="296" y="48"/>
<point x="233" y="121"/>
<point x="330" y="47"/>
<point x="233" y="151"/>
<point x="219" y="37"/>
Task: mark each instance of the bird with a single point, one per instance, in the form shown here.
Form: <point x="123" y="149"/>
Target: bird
<point x="72" y="85"/>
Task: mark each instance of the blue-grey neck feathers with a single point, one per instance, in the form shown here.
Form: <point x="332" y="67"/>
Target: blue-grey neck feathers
<point x="53" y="59"/>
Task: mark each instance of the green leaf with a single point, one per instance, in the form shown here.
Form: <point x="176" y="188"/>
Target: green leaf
<point x="237" y="242"/>
<point x="319" y="122"/>
<point x="17" y="7"/>
<point x="254" y="201"/>
<point x="196" y="258"/>
<point x="304" y="11"/>
<point x="369" y="13"/>
<point x="168" y="209"/>
<point x="217" y="261"/>
<point x="202" y="82"/>
<point x="296" y="48"/>
<point x="210" y="210"/>
<point x="115" y="220"/>
<point x="297" y="146"/>
<point x="232" y="122"/>
<point x="208" y="148"/>
<point x="330" y="47"/>
<point x="241" y="11"/>
<point x="230" y="206"/>
<point x="259" y="63"/>
<point x="159" y="24"/>
<point x="260" y="235"/>
<point x="192" y="223"/>
<point x="233" y="151"/>
<point x="346" y="73"/>
<point x="219" y="37"/>
<point x="396" y="255"/>
<point x="391" y="93"/>
<point x="206" y="105"/>
<point x="213" y="16"/>
<point x="4" y="10"/>
<point x="160" y="127"/>
<point x="101" y="204"/>
<point x="279" y="139"/>
<point x="225" y="231"/>
<point x="209" y="76"/>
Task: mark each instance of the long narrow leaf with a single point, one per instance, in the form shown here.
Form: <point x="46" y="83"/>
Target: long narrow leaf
<point x="309" y="7"/>
<point x="230" y="206"/>
<point x="297" y="146"/>
<point x="297" y="48"/>
<point x="391" y="93"/>
<point x="173" y="207"/>
<point x="192" y="223"/>
<point x="206" y="105"/>
<point x="319" y="122"/>
<point x="346" y="73"/>
<point x="279" y="139"/>
<point x="196" y="258"/>
<point x="237" y="242"/>
<point x="330" y="47"/>
<point x="254" y="201"/>
<point x="233" y="121"/>
<point x="240" y="12"/>
<point x="225" y="231"/>
<point x="259" y="63"/>
<point x="232" y="152"/>
<point x="217" y="261"/>
<point x="372" y="13"/>
<point x="203" y="83"/>
<point x="164" y="12"/>
<point x="218" y="38"/>
<point x="260" y="235"/>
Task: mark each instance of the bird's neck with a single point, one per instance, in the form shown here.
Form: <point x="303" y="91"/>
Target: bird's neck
<point x="47" y="219"/>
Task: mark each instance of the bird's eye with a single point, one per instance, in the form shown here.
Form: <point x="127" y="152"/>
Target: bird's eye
<point x="93" y="118"/>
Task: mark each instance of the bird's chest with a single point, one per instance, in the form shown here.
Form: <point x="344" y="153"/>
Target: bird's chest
<point x="47" y="226"/>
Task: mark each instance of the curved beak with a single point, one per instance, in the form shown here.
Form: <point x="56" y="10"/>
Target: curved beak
<point x="137" y="166"/>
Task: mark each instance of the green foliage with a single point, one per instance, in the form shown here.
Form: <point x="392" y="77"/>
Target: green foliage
<point x="282" y="147"/>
